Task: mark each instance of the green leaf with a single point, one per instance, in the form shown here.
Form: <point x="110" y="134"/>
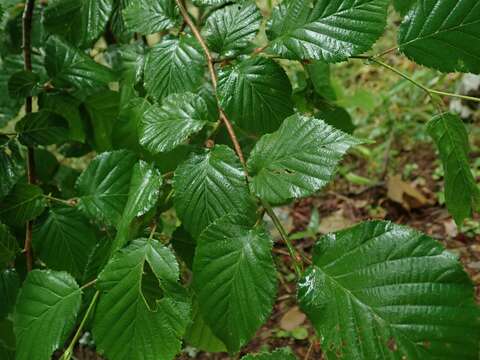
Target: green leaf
<point x="125" y="326"/>
<point x="235" y="279"/>
<point x="279" y="354"/>
<point x="11" y="164"/>
<point x="69" y="67"/>
<point x="403" y="6"/>
<point x="8" y="247"/>
<point x="164" y="128"/>
<point x="125" y="133"/>
<point x="150" y="16"/>
<point x="25" y="202"/>
<point x="209" y="186"/>
<point x="286" y="167"/>
<point x="22" y="84"/>
<point x="327" y="30"/>
<point x="215" y="3"/>
<point x="462" y="194"/>
<point x="9" y="285"/>
<point x="42" y="128"/>
<point x="45" y="313"/>
<point x="381" y="288"/>
<point x="81" y="22"/>
<point x="443" y="34"/>
<point x="256" y="94"/>
<point x="232" y="28"/>
<point x="64" y="240"/>
<point x="336" y="116"/>
<point x="184" y="245"/>
<point x="319" y="73"/>
<point x="174" y="66"/>
<point x="103" y="186"/>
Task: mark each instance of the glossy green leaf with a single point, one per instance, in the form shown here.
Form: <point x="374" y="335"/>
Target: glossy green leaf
<point x="232" y="28"/>
<point x="8" y="246"/>
<point x="235" y="279"/>
<point x="443" y="34"/>
<point x="336" y="116"/>
<point x="208" y="186"/>
<point x="174" y="66"/>
<point x="255" y="94"/>
<point x="462" y="194"/>
<point x="180" y="116"/>
<point x="103" y="186"/>
<point x="42" y="128"/>
<point x="203" y="3"/>
<point x="279" y="354"/>
<point x="11" y="164"/>
<point x="403" y="6"/>
<point x="125" y="133"/>
<point x="328" y="30"/>
<point x="45" y="298"/>
<point x="286" y="167"/>
<point x="9" y="285"/>
<point x="150" y="16"/>
<point x="381" y="288"/>
<point x="64" y="239"/>
<point x="125" y="326"/>
<point x="25" y="202"/>
<point x="22" y="84"/>
<point x="319" y="73"/>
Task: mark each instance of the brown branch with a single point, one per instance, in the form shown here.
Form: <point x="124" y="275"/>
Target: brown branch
<point x="27" y="58"/>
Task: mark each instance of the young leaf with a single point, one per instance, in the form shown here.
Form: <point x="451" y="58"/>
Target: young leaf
<point x="150" y="16"/>
<point x="328" y="30"/>
<point x="381" y="288"/>
<point x="279" y="354"/>
<point x="9" y="285"/>
<point x="180" y="116"/>
<point x="234" y="278"/>
<point x="462" y="194"/>
<point x="174" y="66"/>
<point x="25" y="202"/>
<point x="125" y="326"/>
<point x="209" y="186"/>
<point x="46" y="297"/>
<point x="443" y="34"/>
<point x="230" y="29"/>
<point x="22" y="84"/>
<point x="8" y="246"/>
<point x="64" y="240"/>
<point x="255" y="94"/>
<point x="11" y="164"/>
<point x="286" y="167"/>
<point x="42" y="128"/>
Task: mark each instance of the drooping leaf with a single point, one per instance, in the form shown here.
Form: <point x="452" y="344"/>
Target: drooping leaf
<point x="298" y="159"/>
<point x="42" y="128"/>
<point x="25" y="202"/>
<point x="8" y="246"/>
<point x="255" y="94"/>
<point x="209" y="186"/>
<point x="46" y="297"/>
<point x="64" y="240"/>
<point x="336" y="116"/>
<point x="232" y="28"/>
<point x="125" y="326"/>
<point x="319" y="73"/>
<point x="234" y="278"/>
<point x="381" y="288"/>
<point x="443" y="34"/>
<point x="151" y="16"/>
<point x="181" y="115"/>
<point x="22" y="84"/>
<point x="327" y="30"/>
<point x="11" y="164"/>
<point x="9" y="285"/>
<point x="279" y="354"/>
<point x="174" y="66"/>
<point x="462" y="194"/>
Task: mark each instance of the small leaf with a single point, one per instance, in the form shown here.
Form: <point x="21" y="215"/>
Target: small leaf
<point x="209" y="186"/>
<point x="233" y="260"/>
<point x="256" y="94"/>
<point x="150" y="16"/>
<point x="336" y="116"/>
<point x="25" y="202"/>
<point x="286" y="167"/>
<point x="9" y="285"/>
<point x="462" y="194"/>
<point x="22" y="84"/>
<point x="8" y="246"/>
<point x="381" y="288"/>
<point x="319" y="73"/>
<point x="181" y="115"/>
<point x="42" y="128"/>
<point x="46" y="297"/>
<point x="279" y="354"/>
<point x="11" y="164"/>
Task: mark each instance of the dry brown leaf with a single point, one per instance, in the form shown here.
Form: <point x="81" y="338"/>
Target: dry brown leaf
<point x="292" y="319"/>
<point x="404" y="193"/>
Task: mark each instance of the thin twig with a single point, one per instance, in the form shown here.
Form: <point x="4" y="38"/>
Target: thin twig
<point x="88" y="284"/>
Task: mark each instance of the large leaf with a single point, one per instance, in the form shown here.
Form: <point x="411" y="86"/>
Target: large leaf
<point x="443" y="34"/>
<point x="64" y="240"/>
<point x="255" y="94"/>
<point x="279" y="354"/>
<point x="8" y="246"/>
<point x="231" y="28"/>
<point x="9" y="285"/>
<point x="328" y="30"/>
<point x="150" y="16"/>
<point x="25" y="202"/>
<point x="209" y="186"/>
<point x="174" y="66"/>
<point x="81" y="22"/>
<point x="235" y="279"/>
<point x="297" y="160"/>
<point x="181" y="115"/>
<point x="42" y="128"/>
<point x="380" y="288"/>
<point x="103" y="186"/>
<point x="11" y="164"/>
<point x="136" y="322"/>
<point x="45" y="313"/>
<point x="462" y="194"/>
